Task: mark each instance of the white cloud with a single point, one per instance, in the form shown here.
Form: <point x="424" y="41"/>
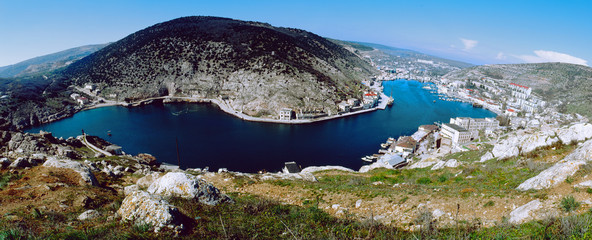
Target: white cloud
<point x="500" y="56"/>
<point x="550" y="56"/>
<point x="469" y="44"/>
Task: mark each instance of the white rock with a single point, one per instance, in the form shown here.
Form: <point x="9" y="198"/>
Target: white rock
<point x="523" y="213"/>
<point x="452" y="163"/>
<point x="130" y="189"/>
<point x="4" y="162"/>
<point x="556" y="174"/>
<point x="424" y="163"/>
<point x="145" y="181"/>
<point x="585" y="184"/>
<point x="367" y="168"/>
<point x="438" y="165"/>
<point x="314" y="169"/>
<point x="88" y="215"/>
<point x="486" y="157"/>
<point x="358" y="203"/>
<point x="438" y="213"/>
<point x="20" y="163"/>
<point x="184" y="185"/>
<point x="143" y="208"/>
<point x="335" y="206"/>
<point x="576" y="132"/>
<point x="85" y="173"/>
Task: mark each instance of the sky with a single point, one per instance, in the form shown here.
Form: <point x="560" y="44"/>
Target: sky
<point x="478" y="32"/>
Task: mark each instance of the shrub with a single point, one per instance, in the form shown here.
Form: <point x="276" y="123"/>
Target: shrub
<point x="569" y="203"/>
<point x="424" y="180"/>
<point x="489" y="204"/>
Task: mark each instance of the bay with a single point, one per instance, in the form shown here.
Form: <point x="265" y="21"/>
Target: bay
<point x="209" y="137"/>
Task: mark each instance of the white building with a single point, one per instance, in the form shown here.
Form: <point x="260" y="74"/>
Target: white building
<point x="457" y="134"/>
<point x="344" y="106"/>
<point x="286" y="114"/>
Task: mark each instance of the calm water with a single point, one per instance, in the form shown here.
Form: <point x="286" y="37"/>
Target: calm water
<point x="209" y="137"/>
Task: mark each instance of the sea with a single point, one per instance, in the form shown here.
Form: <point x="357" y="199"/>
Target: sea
<point x="204" y="136"/>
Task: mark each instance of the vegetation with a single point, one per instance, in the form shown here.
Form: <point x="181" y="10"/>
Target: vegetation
<point x="569" y="203"/>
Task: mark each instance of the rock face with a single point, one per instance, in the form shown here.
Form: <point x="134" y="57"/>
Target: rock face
<point x="452" y="163"/>
<point x="143" y="208"/>
<point x="561" y="170"/>
<point x="184" y="185"/>
<point x="257" y="67"/>
<point x="524" y="212"/>
<point x="87" y="176"/>
<point x="524" y="142"/>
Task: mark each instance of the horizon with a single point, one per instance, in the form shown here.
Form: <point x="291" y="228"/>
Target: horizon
<point x="473" y="32"/>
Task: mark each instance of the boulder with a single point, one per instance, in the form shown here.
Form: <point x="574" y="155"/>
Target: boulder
<point x="4" y="163"/>
<point x="20" y="163"/>
<point x="585" y="184"/>
<point x="146" y="159"/>
<point x="556" y="174"/>
<point x="130" y="189"/>
<point x="576" y="132"/>
<point x="88" y="215"/>
<point x="424" y="163"/>
<point x="524" y="212"/>
<point x="184" y="185"/>
<point x="146" y="181"/>
<point x="141" y="207"/>
<point x="85" y="173"/>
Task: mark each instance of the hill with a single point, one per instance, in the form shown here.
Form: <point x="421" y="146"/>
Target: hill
<point x="568" y="85"/>
<point x="257" y="67"/>
<point x="48" y="62"/>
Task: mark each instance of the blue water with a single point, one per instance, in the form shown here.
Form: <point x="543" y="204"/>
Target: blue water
<point x="209" y="137"/>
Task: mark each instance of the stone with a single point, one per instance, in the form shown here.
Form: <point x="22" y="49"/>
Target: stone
<point x="438" y="165"/>
<point x="130" y="189"/>
<point x="20" y="163"/>
<point x="438" y="213"/>
<point x="524" y="212"/>
<point x="424" y="163"/>
<point x="358" y="203"/>
<point x="141" y="207"/>
<point x="146" y="159"/>
<point x="576" y="132"/>
<point x="188" y="186"/>
<point x="452" y="163"/>
<point x="89" y="215"/>
<point x="556" y="174"/>
<point x="585" y="184"/>
<point x="314" y="169"/>
<point x="85" y="173"/>
<point x="145" y="181"/>
<point x="4" y="163"/>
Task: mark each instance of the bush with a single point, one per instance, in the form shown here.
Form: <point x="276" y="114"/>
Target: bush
<point x="424" y="180"/>
<point x="569" y="203"/>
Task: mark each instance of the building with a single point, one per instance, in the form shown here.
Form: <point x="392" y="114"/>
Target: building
<point x="428" y="128"/>
<point x="473" y="124"/>
<point x="344" y="106"/>
<point x="511" y="112"/>
<point x="405" y="144"/>
<point x="286" y="114"/>
<point x="114" y="149"/>
<point x="90" y="86"/>
<point x="353" y="102"/>
<point x="82" y="100"/>
<point x="370" y="100"/>
<point x="519" y="91"/>
<point x="457" y="134"/>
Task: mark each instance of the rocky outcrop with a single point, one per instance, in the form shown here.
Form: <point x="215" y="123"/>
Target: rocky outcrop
<point x="87" y="177"/>
<point x="452" y="163"/>
<point x="143" y="208"/>
<point x="20" y="163"/>
<point x="524" y="212"/>
<point x="525" y="141"/>
<point x="180" y="184"/>
<point x="556" y="174"/>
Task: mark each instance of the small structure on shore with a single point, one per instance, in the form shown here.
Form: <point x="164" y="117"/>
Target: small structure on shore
<point x="114" y="149"/>
<point x="292" y="167"/>
<point x="286" y="114"/>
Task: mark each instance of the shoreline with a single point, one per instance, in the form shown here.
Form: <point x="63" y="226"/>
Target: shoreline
<point x="222" y="105"/>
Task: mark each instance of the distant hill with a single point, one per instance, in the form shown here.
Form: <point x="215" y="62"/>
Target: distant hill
<point x="48" y="62"/>
<point x="406" y="53"/>
<point x="568" y="83"/>
<point x="257" y="68"/>
<point x="260" y="68"/>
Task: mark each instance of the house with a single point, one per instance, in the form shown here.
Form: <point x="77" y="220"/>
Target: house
<point x="82" y="100"/>
<point x="405" y="144"/>
<point x="75" y="96"/>
<point x="344" y="106"/>
<point x="457" y="134"/>
<point x="353" y="102"/>
<point x="511" y="112"/>
<point x="428" y="128"/>
<point x="393" y="160"/>
<point x="292" y="167"/>
<point x="286" y="114"/>
<point x="473" y="124"/>
<point x="90" y="86"/>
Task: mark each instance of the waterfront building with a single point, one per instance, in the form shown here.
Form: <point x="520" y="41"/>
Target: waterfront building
<point x="286" y="114"/>
<point x="475" y="123"/>
<point x="405" y="144"/>
<point x="457" y="134"/>
<point x="344" y="106"/>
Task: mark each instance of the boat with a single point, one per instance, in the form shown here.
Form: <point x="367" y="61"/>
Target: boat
<point x="109" y="133"/>
<point x="366" y="159"/>
<point x="384" y="145"/>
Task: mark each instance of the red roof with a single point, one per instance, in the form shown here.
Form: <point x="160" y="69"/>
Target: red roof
<point x="370" y="94"/>
<point x="510" y="110"/>
<point x="518" y="85"/>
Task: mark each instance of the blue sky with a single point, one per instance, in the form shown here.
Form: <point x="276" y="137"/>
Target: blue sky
<point x="479" y="32"/>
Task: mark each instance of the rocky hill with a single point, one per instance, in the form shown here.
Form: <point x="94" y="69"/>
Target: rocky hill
<point x="48" y="62"/>
<point x="568" y="83"/>
<point x="260" y="68"/>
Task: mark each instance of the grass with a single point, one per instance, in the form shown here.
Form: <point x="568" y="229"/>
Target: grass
<point x="569" y="203"/>
<point x="7" y="177"/>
